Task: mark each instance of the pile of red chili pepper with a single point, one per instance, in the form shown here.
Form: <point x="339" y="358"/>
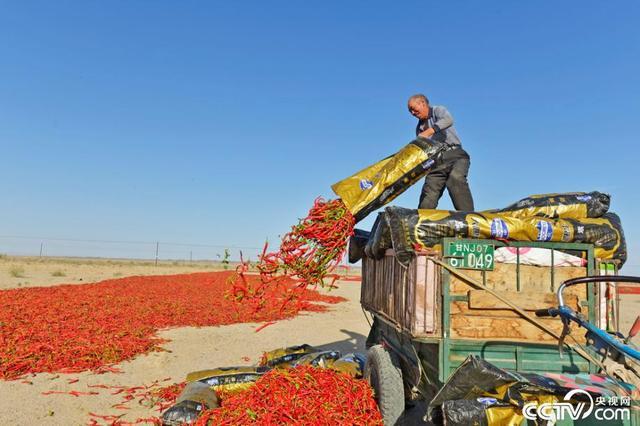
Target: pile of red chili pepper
<point x="70" y="328"/>
<point x="302" y="395"/>
<point x="314" y="247"/>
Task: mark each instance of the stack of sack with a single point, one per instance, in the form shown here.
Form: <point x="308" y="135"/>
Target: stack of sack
<point x="577" y="217"/>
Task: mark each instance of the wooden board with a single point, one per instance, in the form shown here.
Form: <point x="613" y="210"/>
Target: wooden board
<point x="485" y="317"/>
<point x="458" y="307"/>
<point x="488" y="328"/>
<point x="528" y="301"/>
<point x="533" y="279"/>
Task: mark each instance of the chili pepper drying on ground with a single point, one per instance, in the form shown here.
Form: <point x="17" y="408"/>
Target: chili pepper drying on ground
<point x="152" y="396"/>
<point x="71" y="328"/>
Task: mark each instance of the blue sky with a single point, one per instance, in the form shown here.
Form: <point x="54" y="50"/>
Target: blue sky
<point x="219" y="122"/>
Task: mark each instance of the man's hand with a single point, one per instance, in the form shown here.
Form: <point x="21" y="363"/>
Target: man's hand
<point x="427" y="133"/>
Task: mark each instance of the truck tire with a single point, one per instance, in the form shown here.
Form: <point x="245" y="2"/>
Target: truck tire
<point x="383" y="372"/>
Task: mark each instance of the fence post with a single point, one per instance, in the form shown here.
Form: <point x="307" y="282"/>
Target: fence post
<point x="41" y="245"/>
<point x="157" y="246"/>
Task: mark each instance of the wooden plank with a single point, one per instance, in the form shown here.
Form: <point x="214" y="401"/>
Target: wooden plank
<point x="528" y="301"/>
<point x="473" y="327"/>
<point x="457" y="286"/>
<point x="532" y="278"/>
<point x="459" y="307"/>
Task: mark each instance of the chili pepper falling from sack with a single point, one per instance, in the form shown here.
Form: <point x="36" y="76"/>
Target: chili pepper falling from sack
<point x="314" y="247"/>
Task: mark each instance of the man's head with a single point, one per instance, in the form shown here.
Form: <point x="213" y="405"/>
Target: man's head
<point x="419" y="106"/>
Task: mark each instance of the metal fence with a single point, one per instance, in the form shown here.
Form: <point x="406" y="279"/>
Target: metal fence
<point x="147" y="250"/>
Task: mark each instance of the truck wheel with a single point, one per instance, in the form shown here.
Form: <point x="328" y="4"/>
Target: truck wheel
<point x="382" y="370"/>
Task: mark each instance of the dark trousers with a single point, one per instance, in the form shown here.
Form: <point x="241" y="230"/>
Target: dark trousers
<point x="451" y="172"/>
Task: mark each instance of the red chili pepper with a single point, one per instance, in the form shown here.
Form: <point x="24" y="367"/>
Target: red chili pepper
<point x="303" y="395"/>
<point x="71" y="328"/>
<point x="265" y="325"/>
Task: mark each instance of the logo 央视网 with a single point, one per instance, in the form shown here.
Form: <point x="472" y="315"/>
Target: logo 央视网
<point x="615" y="408"/>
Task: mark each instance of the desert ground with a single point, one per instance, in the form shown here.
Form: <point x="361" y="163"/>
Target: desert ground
<point x="344" y="327"/>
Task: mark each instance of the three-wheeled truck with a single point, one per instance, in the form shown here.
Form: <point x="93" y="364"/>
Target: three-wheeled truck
<point x="430" y="316"/>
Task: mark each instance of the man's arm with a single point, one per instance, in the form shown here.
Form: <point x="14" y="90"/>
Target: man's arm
<point x="443" y="120"/>
<point x="427" y="133"/>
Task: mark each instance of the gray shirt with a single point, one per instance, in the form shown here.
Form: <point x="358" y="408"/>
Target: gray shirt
<point x="441" y="121"/>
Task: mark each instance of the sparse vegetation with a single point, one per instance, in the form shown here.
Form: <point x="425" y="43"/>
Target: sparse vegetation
<point x="16" y="272"/>
<point x="58" y="273"/>
<point x="225" y="259"/>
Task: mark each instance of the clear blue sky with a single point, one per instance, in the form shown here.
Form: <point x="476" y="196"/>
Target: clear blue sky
<point x="220" y="122"/>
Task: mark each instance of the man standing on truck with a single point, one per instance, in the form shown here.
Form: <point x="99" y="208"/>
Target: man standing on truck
<point x="436" y="123"/>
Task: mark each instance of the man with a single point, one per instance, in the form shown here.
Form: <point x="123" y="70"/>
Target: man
<point x="435" y="123"/>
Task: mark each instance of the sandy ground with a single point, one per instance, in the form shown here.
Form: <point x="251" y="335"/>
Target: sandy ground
<point x="343" y="328"/>
<point x="35" y="271"/>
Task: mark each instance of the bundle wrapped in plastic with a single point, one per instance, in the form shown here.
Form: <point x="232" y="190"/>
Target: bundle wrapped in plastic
<point x="357" y="243"/>
<point x="537" y="256"/>
<point x="572" y="205"/>
<point x="351" y="364"/>
<point x="379" y="239"/>
<point x="286" y="357"/>
<point x="409" y="229"/>
<point x="195" y="398"/>
<point x="295" y="356"/>
<point x="322" y="359"/>
<point x="378" y="184"/>
<point x="228" y="379"/>
<point x="480" y="393"/>
<point x="201" y="391"/>
<point x="482" y="411"/>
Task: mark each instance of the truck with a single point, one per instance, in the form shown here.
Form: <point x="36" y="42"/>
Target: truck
<point x="430" y="317"/>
